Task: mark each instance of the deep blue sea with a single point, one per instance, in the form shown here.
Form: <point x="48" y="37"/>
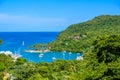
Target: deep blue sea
<point x="13" y="41"/>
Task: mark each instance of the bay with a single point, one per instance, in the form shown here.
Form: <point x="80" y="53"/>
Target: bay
<point x="18" y="42"/>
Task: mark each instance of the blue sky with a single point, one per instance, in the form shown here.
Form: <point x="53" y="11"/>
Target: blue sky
<point x="51" y="15"/>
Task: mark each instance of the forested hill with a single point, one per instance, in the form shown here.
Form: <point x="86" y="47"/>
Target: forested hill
<point x="79" y="37"/>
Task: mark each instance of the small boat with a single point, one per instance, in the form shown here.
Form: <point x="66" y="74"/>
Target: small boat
<point x="79" y="58"/>
<point x="23" y="43"/>
<point x="41" y="55"/>
<point x="70" y="53"/>
<point x="53" y="58"/>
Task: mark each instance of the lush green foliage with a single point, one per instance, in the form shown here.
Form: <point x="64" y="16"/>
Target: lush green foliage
<point x="104" y="59"/>
<point x="79" y="37"/>
<point x="40" y="47"/>
<point x="5" y="64"/>
<point x="107" y="48"/>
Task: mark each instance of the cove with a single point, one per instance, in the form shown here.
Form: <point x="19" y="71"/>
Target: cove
<point x="50" y="56"/>
<point x="18" y="42"/>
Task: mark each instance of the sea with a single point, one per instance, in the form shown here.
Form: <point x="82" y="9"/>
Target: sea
<point x="18" y="42"/>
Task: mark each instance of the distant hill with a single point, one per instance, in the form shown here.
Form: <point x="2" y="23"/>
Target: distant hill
<point x="1" y="41"/>
<point x="79" y="37"/>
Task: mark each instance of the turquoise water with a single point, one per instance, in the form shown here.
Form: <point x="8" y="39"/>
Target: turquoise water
<point x="13" y="41"/>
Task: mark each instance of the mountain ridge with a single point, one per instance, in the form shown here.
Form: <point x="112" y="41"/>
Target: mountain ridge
<point x="78" y="37"/>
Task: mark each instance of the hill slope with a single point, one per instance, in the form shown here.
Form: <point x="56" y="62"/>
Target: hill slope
<point x="79" y="37"/>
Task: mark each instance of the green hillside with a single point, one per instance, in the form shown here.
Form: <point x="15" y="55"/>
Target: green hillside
<point x="79" y="37"/>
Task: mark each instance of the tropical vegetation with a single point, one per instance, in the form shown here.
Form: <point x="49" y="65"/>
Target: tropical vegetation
<point x="79" y="37"/>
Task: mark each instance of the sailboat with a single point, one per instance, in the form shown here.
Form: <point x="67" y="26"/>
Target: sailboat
<point x="23" y="43"/>
<point x="54" y="58"/>
<point x="63" y="55"/>
<point x="41" y="55"/>
<point x="69" y="54"/>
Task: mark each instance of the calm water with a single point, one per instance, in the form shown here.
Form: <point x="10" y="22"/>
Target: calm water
<point x="13" y="41"/>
